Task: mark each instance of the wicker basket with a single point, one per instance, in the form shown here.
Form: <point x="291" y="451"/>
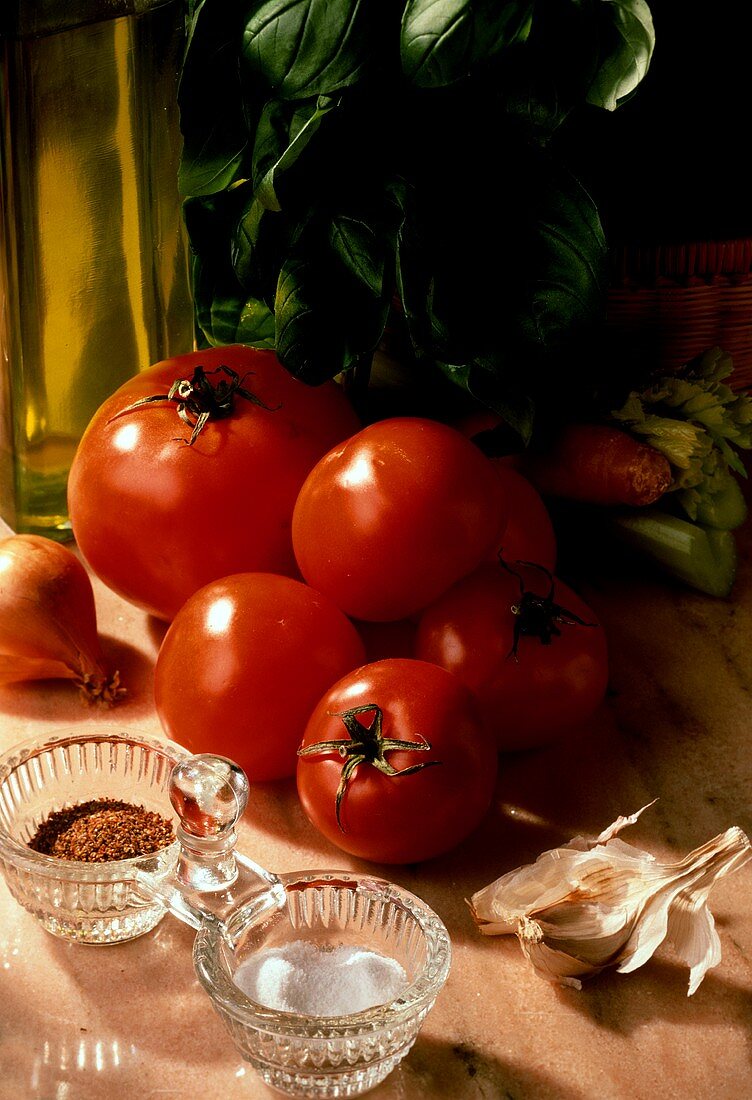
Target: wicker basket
<point x="674" y="301"/>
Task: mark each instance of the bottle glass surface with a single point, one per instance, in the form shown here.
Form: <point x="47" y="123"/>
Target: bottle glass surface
<point x="93" y="263"/>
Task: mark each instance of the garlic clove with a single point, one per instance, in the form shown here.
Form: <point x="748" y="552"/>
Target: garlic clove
<point x="592" y="904"/>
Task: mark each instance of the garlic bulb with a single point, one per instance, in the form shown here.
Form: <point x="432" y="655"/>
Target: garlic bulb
<point x="593" y="904"/>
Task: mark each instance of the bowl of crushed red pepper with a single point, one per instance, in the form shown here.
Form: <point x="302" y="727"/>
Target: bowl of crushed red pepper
<point x="80" y="815"/>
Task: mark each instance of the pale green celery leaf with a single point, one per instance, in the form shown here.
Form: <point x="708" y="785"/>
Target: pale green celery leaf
<point x="632" y="411"/>
<point x="731" y="457"/>
<point x="628" y="38"/>
<point x="714" y="481"/>
<point x="674" y="392"/>
<point x="689" y="499"/>
<point x="692" y="475"/>
<point x="714" y="365"/>
<point x="679" y="440"/>
<point x="443" y="41"/>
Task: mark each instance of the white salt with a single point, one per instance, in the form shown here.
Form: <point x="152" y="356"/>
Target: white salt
<point x="320" y="980"/>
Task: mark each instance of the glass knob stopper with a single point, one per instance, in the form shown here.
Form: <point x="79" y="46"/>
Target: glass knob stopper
<point x="209" y="794"/>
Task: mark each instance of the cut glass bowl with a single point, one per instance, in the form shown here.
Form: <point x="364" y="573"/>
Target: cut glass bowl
<point x="94" y="903"/>
<point x="328" y="1056"/>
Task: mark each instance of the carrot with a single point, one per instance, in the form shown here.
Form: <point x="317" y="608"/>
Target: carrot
<point x="597" y="464"/>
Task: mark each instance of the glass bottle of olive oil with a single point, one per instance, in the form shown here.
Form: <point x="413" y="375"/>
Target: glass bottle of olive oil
<point x="93" y="266"/>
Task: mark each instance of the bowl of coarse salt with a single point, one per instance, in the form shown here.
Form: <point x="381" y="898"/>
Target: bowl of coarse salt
<point x="326" y="997"/>
<point x="322" y="978"/>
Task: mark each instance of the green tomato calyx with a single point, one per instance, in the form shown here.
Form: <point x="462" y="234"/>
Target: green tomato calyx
<point x="366" y="744"/>
<point x="538" y="616"/>
<point x="198" y="400"/>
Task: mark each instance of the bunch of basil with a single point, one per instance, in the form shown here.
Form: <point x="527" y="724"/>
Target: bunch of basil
<point x="344" y="156"/>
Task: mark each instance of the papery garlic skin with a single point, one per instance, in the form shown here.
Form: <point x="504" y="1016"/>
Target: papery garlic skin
<point x="593" y="904"/>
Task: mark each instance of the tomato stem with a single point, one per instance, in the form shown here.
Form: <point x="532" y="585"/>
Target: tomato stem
<point x="365" y="745"/>
<point x="538" y="616"/>
<point x="199" y="401"/>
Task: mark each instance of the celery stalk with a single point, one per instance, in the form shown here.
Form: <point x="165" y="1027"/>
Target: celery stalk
<point x="702" y="557"/>
<point x="725" y="509"/>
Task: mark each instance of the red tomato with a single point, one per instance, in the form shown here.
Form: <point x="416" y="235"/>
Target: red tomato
<point x="389" y="519"/>
<point x="157" y="519"/>
<point x="396" y="818"/>
<point x="388" y="639"/>
<point x="529" y="533"/>
<point x="243" y="665"/>
<point x="550" y="688"/>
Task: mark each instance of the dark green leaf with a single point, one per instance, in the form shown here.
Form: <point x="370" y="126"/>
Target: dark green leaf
<point x="304" y="48"/>
<point x="225" y="313"/>
<point x="563" y="260"/>
<point x="213" y="117"/>
<point x="484" y="381"/>
<point x="443" y="41"/>
<point x="538" y="83"/>
<point x="281" y="137"/>
<point x="496" y="299"/>
<point x="259" y="244"/>
<point x="627" y="44"/>
<point x="357" y="246"/>
<point x="334" y="292"/>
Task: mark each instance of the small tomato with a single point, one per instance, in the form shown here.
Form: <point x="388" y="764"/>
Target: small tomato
<point x="243" y="665"/>
<point x="157" y="518"/>
<point x="531" y="651"/>
<point x="395" y="766"/>
<point x="387" y="520"/>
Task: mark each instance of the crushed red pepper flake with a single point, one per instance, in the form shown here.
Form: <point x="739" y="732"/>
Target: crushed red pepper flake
<point x="102" y="830"/>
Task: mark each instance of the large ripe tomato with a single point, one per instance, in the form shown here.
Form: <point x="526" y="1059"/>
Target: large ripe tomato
<point x="395" y="766"/>
<point x="156" y="519"/>
<point x="529" y="533"/>
<point x="389" y="519"/>
<point x="560" y="673"/>
<point x="243" y="665"/>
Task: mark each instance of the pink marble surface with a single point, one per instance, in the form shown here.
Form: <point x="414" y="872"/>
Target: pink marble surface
<point x="83" y="1023"/>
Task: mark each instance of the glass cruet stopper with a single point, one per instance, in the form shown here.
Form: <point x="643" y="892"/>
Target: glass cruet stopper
<point x="210" y="880"/>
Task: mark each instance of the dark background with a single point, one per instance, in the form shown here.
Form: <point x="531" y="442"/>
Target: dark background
<point x="672" y="164"/>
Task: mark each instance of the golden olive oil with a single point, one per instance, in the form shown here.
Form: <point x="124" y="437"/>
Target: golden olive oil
<point x="93" y="268"/>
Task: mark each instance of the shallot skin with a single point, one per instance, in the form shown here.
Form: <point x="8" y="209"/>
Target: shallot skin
<point x="48" y="622"/>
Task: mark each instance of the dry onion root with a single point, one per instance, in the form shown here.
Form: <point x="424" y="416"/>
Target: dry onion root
<point x="594" y="904"/>
<point x="48" y="622"/>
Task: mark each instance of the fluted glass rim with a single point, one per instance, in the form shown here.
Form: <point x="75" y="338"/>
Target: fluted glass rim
<point x="39" y="863"/>
<point x="421" y="992"/>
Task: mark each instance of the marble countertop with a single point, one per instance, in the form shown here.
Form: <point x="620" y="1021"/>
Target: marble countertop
<point x="84" y="1023"/>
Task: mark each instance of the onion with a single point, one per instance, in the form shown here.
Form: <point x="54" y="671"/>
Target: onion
<point x="48" y="622"/>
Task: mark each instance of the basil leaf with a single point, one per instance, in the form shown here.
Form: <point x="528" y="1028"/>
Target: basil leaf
<point x="360" y="251"/>
<point x="481" y="379"/>
<point x="628" y="38"/>
<point x="520" y="288"/>
<point x="280" y="139"/>
<point x="442" y="42"/>
<point x="304" y="48"/>
<point x="563" y="261"/>
<point x="213" y="118"/>
<point x="225" y="313"/>
<point x="334" y="290"/>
